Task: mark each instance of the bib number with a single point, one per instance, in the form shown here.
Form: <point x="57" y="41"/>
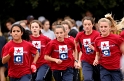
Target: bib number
<point x="63" y="56"/>
<point x="88" y="50"/>
<point x="18" y="55"/>
<point x="106" y="53"/>
<point x="18" y="59"/>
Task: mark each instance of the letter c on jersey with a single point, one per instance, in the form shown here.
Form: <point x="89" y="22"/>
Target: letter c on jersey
<point x="18" y="59"/>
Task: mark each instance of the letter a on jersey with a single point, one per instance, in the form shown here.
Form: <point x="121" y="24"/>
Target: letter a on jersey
<point x="18" y="55"/>
<point x="63" y="52"/>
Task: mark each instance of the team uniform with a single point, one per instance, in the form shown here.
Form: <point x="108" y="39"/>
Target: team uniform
<point x="64" y="51"/>
<point x="72" y="39"/>
<point x="75" y="70"/>
<point x="19" y="66"/>
<point x="110" y="54"/>
<point x="42" y="65"/>
<point x="122" y="58"/>
<point x="122" y="34"/>
<point x="88" y="55"/>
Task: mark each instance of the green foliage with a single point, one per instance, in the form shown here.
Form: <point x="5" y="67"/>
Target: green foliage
<point x="57" y="4"/>
<point x="10" y="3"/>
<point x="109" y="3"/>
<point x="34" y="3"/>
<point x="96" y="5"/>
<point x="79" y="3"/>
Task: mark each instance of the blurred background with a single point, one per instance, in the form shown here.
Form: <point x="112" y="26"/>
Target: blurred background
<point x="58" y="9"/>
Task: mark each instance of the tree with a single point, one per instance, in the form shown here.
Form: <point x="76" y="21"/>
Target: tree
<point x="58" y="4"/>
<point x="15" y="8"/>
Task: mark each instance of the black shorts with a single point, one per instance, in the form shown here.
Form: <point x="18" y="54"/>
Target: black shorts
<point x="3" y="65"/>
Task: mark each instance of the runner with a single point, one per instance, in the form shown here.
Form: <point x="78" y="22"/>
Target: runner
<point x="87" y="38"/>
<point x="60" y="54"/>
<point x="108" y="52"/>
<point x="17" y="53"/>
<point x="39" y="41"/>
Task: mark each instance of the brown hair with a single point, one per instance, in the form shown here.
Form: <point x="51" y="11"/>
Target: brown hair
<point x="10" y="20"/>
<point x="59" y="26"/>
<point x="54" y="23"/>
<point x="44" y="21"/>
<point x="65" y="22"/>
<point x="88" y="18"/>
<point x="38" y="22"/>
<point x="72" y="21"/>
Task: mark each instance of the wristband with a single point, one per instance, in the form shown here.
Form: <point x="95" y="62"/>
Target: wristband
<point x="76" y="61"/>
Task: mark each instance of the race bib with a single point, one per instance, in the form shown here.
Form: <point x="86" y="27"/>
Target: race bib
<point x="18" y="55"/>
<point x="86" y="43"/>
<point x="63" y="52"/>
<point x="37" y="44"/>
<point x="88" y="50"/>
<point x="106" y="52"/>
<point x="105" y="48"/>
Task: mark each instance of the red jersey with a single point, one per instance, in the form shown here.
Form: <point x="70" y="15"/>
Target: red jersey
<point x="40" y="43"/>
<point x="88" y="54"/>
<point x="19" y="63"/>
<point x="61" y="50"/>
<point x="122" y="34"/>
<point x="72" y="39"/>
<point x="109" y="49"/>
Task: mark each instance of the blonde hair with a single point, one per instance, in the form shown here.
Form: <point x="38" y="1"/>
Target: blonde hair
<point x="105" y="20"/>
<point x="120" y="24"/>
<point x="113" y="22"/>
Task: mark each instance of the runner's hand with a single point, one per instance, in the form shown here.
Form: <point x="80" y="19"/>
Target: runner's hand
<point x="58" y="61"/>
<point x="33" y="68"/>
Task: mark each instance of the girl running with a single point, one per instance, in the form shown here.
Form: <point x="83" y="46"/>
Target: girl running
<point x="67" y="29"/>
<point x="108" y="52"/>
<point x="60" y="54"/>
<point x="17" y="53"/>
<point x="39" y="41"/>
<point x="87" y="38"/>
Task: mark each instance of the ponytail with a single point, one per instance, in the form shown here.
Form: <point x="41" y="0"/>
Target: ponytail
<point x="26" y="33"/>
<point x="120" y="24"/>
<point x="113" y="22"/>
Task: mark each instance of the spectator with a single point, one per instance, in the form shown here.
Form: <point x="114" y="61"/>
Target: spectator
<point x="46" y="31"/>
<point x="3" y="67"/>
<point x="8" y="24"/>
<point x="73" y="32"/>
<point x="29" y="19"/>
